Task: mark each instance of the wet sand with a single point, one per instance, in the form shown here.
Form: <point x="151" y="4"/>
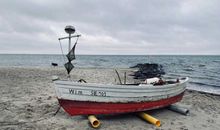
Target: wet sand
<point x="28" y="101"/>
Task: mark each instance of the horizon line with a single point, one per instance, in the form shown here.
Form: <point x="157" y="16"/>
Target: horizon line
<point x="113" y="54"/>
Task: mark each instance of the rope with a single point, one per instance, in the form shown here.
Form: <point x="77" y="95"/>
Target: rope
<point x="77" y="40"/>
<point x="62" y="51"/>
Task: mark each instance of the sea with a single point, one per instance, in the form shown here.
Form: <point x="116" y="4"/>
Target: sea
<point x="203" y="70"/>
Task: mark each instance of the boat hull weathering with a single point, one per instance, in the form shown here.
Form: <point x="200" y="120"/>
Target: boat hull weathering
<point x="87" y="98"/>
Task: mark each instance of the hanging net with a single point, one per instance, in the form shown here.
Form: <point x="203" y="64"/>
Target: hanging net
<point x="70" y="56"/>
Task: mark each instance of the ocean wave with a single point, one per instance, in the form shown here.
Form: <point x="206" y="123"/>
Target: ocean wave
<point x="204" y="84"/>
<point x="201" y="65"/>
<point x="216" y="61"/>
<point x="103" y="60"/>
<point x="204" y="77"/>
<point x="189" y="69"/>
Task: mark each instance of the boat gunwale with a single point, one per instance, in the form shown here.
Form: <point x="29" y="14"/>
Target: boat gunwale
<point x="124" y="90"/>
<point x="113" y="86"/>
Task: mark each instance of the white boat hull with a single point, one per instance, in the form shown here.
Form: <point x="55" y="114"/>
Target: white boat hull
<point x="116" y="93"/>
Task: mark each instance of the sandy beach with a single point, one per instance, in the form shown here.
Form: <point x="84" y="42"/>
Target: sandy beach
<point x="28" y="101"/>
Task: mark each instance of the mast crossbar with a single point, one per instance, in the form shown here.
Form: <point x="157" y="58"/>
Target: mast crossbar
<point x="62" y="38"/>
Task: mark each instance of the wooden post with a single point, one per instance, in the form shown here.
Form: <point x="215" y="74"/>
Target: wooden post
<point x="125" y="78"/>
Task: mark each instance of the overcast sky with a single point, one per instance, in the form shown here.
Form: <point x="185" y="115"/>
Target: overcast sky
<point x="111" y="26"/>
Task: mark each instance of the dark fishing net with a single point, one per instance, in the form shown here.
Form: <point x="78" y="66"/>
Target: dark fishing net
<point x="69" y="66"/>
<point x="71" y="55"/>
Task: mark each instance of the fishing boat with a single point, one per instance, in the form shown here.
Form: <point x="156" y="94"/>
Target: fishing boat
<point x="82" y="98"/>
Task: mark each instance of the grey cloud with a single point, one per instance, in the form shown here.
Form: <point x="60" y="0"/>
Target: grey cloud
<point x="112" y="27"/>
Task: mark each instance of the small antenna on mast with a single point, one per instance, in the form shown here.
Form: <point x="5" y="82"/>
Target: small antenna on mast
<point x="70" y="29"/>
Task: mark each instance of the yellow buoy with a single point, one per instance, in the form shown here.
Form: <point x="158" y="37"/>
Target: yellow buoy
<point x="149" y="118"/>
<point x="94" y="121"/>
